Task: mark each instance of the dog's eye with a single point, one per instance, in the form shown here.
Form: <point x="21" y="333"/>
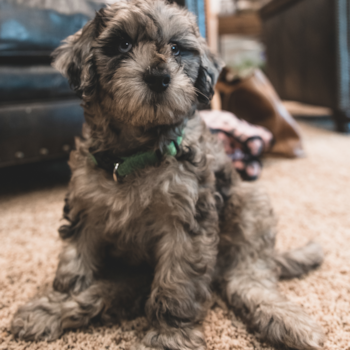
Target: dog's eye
<point x="125" y="46"/>
<point x="175" y="50"/>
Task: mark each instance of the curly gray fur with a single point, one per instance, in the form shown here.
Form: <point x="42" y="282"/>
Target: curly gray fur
<point x="159" y="242"/>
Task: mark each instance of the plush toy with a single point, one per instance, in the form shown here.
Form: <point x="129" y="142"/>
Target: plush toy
<point x="244" y="143"/>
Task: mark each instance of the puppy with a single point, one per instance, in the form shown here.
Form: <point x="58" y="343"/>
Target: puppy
<point x="157" y="217"/>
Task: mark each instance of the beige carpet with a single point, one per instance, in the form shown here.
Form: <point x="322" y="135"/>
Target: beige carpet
<point x="311" y="197"/>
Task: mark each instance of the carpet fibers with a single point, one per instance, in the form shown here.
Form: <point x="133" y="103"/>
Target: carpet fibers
<point x="311" y="197"/>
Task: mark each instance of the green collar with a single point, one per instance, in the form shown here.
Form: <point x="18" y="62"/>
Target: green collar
<point x="127" y="165"/>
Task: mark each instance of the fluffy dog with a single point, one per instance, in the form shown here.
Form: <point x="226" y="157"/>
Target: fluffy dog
<point x="157" y="217"/>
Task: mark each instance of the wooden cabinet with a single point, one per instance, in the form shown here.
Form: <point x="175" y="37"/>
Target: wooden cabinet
<point x="308" y="53"/>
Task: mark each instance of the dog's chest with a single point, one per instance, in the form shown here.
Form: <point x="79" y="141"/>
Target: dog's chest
<point x="148" y="204"/>
<point x="155" y="201"/>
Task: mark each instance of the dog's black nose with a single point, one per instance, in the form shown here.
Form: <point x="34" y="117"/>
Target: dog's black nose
<point x="157" y="81"/>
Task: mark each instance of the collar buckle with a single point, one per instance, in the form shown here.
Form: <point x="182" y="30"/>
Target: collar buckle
<point x="115" y="174"/>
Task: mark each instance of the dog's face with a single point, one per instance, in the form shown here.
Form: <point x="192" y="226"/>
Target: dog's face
<point x="144" y="60"/>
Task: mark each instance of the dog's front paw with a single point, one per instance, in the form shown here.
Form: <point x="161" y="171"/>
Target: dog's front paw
<point x="72" y="283"/>
<point x="293" y="328"/>
<point x="37" y="320"/>
<point x="173" y="339"/>
<point x="307" y="336"/>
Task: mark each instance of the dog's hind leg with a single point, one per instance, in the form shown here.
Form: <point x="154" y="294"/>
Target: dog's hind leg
<point x="297" y="262"/>
<point x="252" y="292"/>
<point x="249" y="271"/>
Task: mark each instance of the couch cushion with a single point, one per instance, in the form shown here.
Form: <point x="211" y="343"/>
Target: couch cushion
<point x="38" y="131"/>
<point x="34" y="31"/>
<point x="33" y="82"/>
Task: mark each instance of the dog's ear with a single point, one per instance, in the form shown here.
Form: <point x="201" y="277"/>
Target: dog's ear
<point x="75" y="60"/>
<point x="208" y="73"/>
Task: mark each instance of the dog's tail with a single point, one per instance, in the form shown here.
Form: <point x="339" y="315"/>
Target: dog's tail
<point x="297" y="262"/>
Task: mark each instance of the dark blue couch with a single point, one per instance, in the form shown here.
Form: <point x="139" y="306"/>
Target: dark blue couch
<point x="39" y="113"/>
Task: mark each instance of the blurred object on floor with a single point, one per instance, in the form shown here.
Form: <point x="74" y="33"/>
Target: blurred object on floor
<point x="320" y="117"/>
<point x="255" y="100"/>
<point x="302" y="109"/>
<point x="244" y="143"/>
<point x="242" y="55"/>
<point x="308" y="49"/>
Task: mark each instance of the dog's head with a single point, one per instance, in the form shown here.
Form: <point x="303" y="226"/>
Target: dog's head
<point x="144" y="60"/>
